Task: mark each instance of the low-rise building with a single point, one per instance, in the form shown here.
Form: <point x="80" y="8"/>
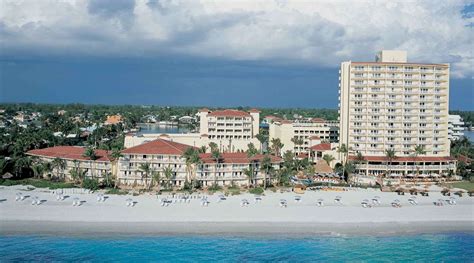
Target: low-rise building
<point x="74" y="158"/>
<point x="455" y="127"/>
<point x="113" y="119"/>
<point x="303" y="130"/>
<point x="231" y="130"/>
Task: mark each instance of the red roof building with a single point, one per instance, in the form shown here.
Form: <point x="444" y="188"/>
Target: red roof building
<point x="158" y="146"/>
<point x="229" y="113"/>
<point x="70" y="153"/>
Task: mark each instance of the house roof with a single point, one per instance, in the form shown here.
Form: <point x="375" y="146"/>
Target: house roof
<point x="318" y="120"/>
<point x="254" y="111"/>
<point x="158" y="146"/>
<point x="321" y="147"/>
<point x="405" y="159"/>
<point x="230" y="113"/>
<point x="113" y="119"/>
<point x="204" y="110"/>
<point x="241" y="158"/>
<point x="69" y="152"/>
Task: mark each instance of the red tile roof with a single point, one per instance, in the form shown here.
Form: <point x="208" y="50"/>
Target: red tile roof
<point x="254" y="111"/>
<point x="204" y="110"/>
<point x="158" y="146"/>
<point x="230" y="113"/>
<point x="321" y="147"/>
<point x="464" y="159"/>
<point x="69" y="152"/>
<point x="240" y="158"/>
<point x="318" y="120"/>
<point x="405" y="159"/>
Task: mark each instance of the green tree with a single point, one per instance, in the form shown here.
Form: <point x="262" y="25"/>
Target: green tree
<point x="328" y="158"/>
<point x="266" y="165"/>
<point x="89" y="153"/>
<point x="344" y="150"/>
<point x="390" y="155"/>
<point x="251" y="150"/>
<point x="168" y="172"/>
<point x="419" y="150"/>
<point x="145" y="169"/>
<point x="59" y="165"/>
<point x="216" y="155"/>
<point x="276" y="146"/>
<point x="262" y="139"/>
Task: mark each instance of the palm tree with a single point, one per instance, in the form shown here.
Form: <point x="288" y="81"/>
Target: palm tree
<point x="262" y="139"/>
<point x="276" y="146"/>
<point x="266" y="165"/>
<point x="59" y="165"/>
<point x="249" y="173"/>
<point x="38" y="168"/>
<point x="20" y="164"/>
<point x="89" y="152"/>
<point x="359" y="159"/>
<point x="192" y="158"/>
<point x="419" y="150"/>
<point x="145" y="168"/>
<point x="297" y="141"/>
<point x="156" y="177"/>
<point x="116" y="154"/>
<point x="216" y="155"/>
<point x="168" y="172"/>
<point x="390" y="155"/>
<point x="344" y="150"/>
<point x="251" y="150"/>
<point x="328" y="158"/>
<point x="203" y="149"/>
<point x="213" y="146"/>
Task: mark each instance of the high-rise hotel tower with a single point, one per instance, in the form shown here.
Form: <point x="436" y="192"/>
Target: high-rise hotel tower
<point x="395" y="104"/>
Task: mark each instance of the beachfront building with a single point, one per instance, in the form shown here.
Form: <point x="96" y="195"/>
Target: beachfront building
<point x="235" y="169"/>
<point x="164" y="156"/>
<point x="309" y="132"/>
<point x="73" y="159"/>
<point x="393" y="104"/>
<point x="455" y="127"/>
<point x="232" y="130"/>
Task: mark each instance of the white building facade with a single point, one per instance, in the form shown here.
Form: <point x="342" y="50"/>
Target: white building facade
<point x="397" y="105"/>
<point x="455" y="127"/>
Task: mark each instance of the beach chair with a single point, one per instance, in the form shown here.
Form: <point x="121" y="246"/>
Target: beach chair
<point x="338" y="199"/>
<point x="320" y="202"/>
<point x="412" y="200"/>
<point x="283" y="203"/>
<point x="365" y="204"/>
<point x="75" y="201"/>
<point x="297" y="199"/>
<point x="396" y="204"/>
<point x="451" y="201"/>
<point x="19" y="197"/>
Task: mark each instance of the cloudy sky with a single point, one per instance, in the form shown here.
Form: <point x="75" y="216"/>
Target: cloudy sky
<point x="279" y="53"/>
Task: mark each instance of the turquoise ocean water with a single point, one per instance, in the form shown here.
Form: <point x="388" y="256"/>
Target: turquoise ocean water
<point x="452" y="247"/>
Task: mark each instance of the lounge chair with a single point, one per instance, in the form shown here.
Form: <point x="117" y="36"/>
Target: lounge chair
<point x="365" y="203"/>
<point x="451" y="201"/>
<point x="244" y="202"/>
<point x="76" y="202"/>
<point x="338" y="199"/>
<point x="320" y="202"/>
<point x="440" y="202"/>
<point x="412" y="200"/>
<point x="258" y="199"/>
<point x="283" y="203"/>
<point x="297" y="198"/>
<point x="376" y="200"/>
<point x="396" y="203"/>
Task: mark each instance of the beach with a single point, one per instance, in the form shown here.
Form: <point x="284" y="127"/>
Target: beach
<point x="147" y="216"/>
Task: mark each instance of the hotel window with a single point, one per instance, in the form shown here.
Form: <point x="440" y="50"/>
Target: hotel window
<point x="394" y="82"/>
<point x="407" y="124"/>
<point x="408" y="82"/>
<point x="406" y="139"/>
<point x="359" y="67"/>
<point x="409" y="68"/>
<point x="373" y="145"/>
<point x="406" y="132"/>
<point x="392" y="68"/>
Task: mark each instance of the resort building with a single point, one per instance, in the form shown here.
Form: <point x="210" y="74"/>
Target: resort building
<point x="231" y="130"/>
<point x="395" y="104"/>
<point x="73" y="157"/>
<point x="165" y="156"/>
<point x="455" y="127"/>
<point x="309" y="132"/>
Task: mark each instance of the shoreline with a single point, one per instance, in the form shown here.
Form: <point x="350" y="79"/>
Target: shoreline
<point x="256" y="229"/>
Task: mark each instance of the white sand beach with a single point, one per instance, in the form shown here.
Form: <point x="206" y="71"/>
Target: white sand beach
<point x="228" y="216"/>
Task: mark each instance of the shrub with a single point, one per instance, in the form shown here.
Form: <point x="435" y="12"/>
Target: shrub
<point x="91" y="184"/>
<point x="256" y="191"/>
<point x="115" y="191"/>
<point x="214" y="188"/>
<point x="38" y="183"/>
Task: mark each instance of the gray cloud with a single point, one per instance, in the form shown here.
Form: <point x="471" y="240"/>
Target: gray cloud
<point x="283" y="31"/>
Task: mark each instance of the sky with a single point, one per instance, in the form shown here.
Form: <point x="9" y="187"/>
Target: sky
<point x="279" y="53"/>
